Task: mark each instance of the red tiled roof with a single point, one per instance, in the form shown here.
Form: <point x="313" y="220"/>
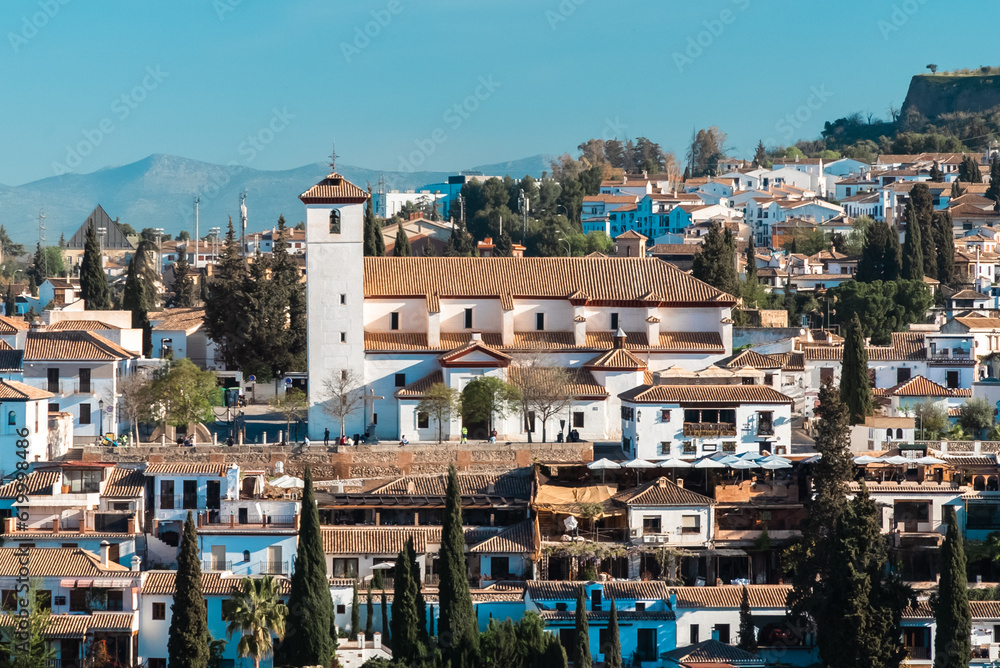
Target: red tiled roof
<point x="333" y="189"/>
<point x="690" y="394"/>
<point x="12" y="390"/>
<point x="731" y="596"/>
<point x="73" y="345"/>
<point x="663" y="492"/>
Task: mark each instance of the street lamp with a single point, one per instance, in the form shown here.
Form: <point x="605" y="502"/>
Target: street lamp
<point x="569" y="246"/>
<point x="100" y="408"/>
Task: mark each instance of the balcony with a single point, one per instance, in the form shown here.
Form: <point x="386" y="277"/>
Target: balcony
<point x="273" y="568"/>
<point x="217" y="519"/>
<point x="176" y="502"/>
<point x="765" y="430"/>
<point x="216" y="565"/>
<point x="708" y="429"/>
<point x="918" y="653"/>
<point x="956" y="356"/>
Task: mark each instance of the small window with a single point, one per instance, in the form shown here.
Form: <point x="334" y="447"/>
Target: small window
<point x="343" y="299"/>
<point x="246" y="555"/>
<point x="84" y="413"/>
<point x="578" y="419"/>
<point x="468" y="318"/>
<point x="335" y="222"/>
<point x="664" y="448"/>
<point x="694" y="634"/>
<point x="723" y="631"/>
<point x="11" y="417"/>
<point x="664" y="416"/>
<point x="341" y="608"/>
<point x="902" y="375"/>
<point x="540" y="322"/>
<point x="394" y="320"/>
<point x="640" y="606"/>
<point x="400" y="379"/>
<point x="691" y="524"/>
<point x="651" y="524"/>
<point x="157" y="663"/>
<point x="423" y="421"/>
<point x="614" y="321"/>
<point x="343" y="337"/>
<point x="374" y="418"/>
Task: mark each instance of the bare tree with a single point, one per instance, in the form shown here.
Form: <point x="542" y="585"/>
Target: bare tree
<point x="440" y="401"/>
<point x="545" y="389"/>
<point x="345" y="392"/>
<point x="134" y="400"/>
<point x="292" y="406"/>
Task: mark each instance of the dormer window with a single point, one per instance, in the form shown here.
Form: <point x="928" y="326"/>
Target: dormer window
<point x="335" y="221"/>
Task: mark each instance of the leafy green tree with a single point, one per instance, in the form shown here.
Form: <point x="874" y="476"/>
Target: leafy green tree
<point x="290" y="355"/>
<point x="882" y="306"/>
<point x="184" y="394"/>
<point x="374" y="244"/>
<point x="931" y="419"/>
<point x="225" y="317"/>
<point x="32" y="649"/>
<point x="716" y="263"/>
<point x="188" y="639"/>
<point x="308" y="639"/>
<point x="141" y="293"/>
<point x="255" y="611"/>
<point x="872" y="266"/>
<point x="460" y="243"/>
<point x="705" y="151"/>
<point x="855" y="388"/>
<point x="976" y="416"/>
<point x="936" y="175"/>
<point x="487" y="398"/>
<point x="952" y="642"/>
<point x="402" y="246"/>
<point x="47" y="262"/>
<point x="9" y="249"/>
<point x="355" y="610"/>
<point x="581" y="643"/>
<point x="968" y="170"/>
<point x="748" y="634"/>
<point x="183" y="287"/>
<point x="760" y="156"/>
<point x="93" y="281"/>
<point x="504" y="245"/>
<point x="913" y="257"/>
<point x="613" y="653"/>
<point x="458" y="632"/>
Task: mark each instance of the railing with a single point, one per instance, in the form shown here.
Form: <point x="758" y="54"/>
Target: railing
<point x="273" y="567"/>
<point x="918" y="653"/>
<point x="176" y="502"/>
<point x="216" y="565"/>
<point x="276" y="521"/>
<point x="709" y="429"/>
<point x="955" y="355"/>
<point x="765" y="430"/>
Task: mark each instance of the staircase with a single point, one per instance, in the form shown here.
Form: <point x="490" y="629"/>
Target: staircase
<point x="159" y="552"/>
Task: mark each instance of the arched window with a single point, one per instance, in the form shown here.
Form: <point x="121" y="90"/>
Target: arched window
<point x="246" y="555"/>
<point x="335" y="221"/>
<point x="888" y="434"/>
<point x="12" y="418"/>
<point x="899" y="434"/>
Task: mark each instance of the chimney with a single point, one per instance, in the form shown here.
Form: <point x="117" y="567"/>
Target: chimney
<point x="105" y="553"/>
<point x="673" y="600"/>
<point x="136" y="562"/>
<point x="55" y="525"/>
<point x="361" y="640"/>
<point x="619" y="339"/>
<point x="377" y="640"/>
<point x="477" y="336"/>
<point x="680" y="482"/>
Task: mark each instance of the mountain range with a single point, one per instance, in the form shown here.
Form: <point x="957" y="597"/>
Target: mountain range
<point x="159" y="191"/>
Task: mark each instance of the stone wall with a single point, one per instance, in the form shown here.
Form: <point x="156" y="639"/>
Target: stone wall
<point x="363" y="461"/>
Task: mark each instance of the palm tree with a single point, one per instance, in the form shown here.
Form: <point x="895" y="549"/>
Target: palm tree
<point x="255" y="611"/>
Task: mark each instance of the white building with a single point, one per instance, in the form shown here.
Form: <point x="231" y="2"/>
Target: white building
<point x="394" y="322"/>
<point x="24" y="411"/>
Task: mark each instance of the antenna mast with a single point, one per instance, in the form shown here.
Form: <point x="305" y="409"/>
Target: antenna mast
<point x="41" y="244"/>
<point x="196" y="238"/>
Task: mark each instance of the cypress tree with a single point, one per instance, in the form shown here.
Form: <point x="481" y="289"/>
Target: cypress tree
<point x="183" y="285"/>
<point x="944" y="240"/>
<point x="922" y="205"/>
<point x="369" y="614"/>
<point x="872" y="266"/>
<point x="748" y="635"/>
<point x="715" y="264"/>
<point x="10" y="302"/>
<point x="613" y="653"/>
<point x="460" y="243"/>
<point x="855" y="388"/>
<point x="952" y="642"/>
<point x="188" y="639"/>
<point x="968" y="170"/>
<point x="93" y="281"/>
<point x="936" y="176"/>
<point x="956" y="189"/>
<point x="402" y="247"/>
<point x="140" y="294"/>
<point x="285" y="278"/>
<point x="993" y="192"/>
<point x="581" y="642"/>
<point x="759" y="155"/>
<point x="504" y="246"/>
<point x="355" y="611"/>
<point x="225" y="317"/>
<point x="913" y="257"/>
<point x="751" y="258"/>
<point x="893" y="262"/>
<point x="458" y="629"/>
<point x="383" y="608"/>
<point x="418" y="595"/>
<point x="374" y="244"/>
<point x="308" y="640"/>
<point x="405" y="620"/>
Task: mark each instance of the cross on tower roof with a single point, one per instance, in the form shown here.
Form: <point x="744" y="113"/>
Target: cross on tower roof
<point x="333" y="158"/>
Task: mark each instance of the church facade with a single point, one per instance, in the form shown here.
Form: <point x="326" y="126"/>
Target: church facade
<point x="398" y="325"/>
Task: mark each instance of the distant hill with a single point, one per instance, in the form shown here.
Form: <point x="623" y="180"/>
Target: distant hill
<point x="159" y="191"/>
<point x="932" y="95"/>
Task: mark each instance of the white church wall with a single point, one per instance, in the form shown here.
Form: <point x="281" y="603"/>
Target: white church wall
<point x="558" y="314"/>
<point x="412" y="314"/>
<point x="486" y="315"/>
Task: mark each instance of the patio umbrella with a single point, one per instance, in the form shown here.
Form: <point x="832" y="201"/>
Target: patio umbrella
<point x="866" y="459"/>
<point x="744" y="465"/>
<point x="708" y="463"/>
<point x="927" y="460"/>
<point x="727" y="460"/>
<point x="638" y="464"/>
<point x="749" y="456"/>
<point x="774" y="458"/>
<point x="776" y="464"/>
<point x="603" y="465"/>
<point x="896" y="460"/>
<point x="674" y="463"/>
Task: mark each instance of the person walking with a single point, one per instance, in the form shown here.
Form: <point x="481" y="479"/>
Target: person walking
<point x="326" y="436"/>
<point x="305" y="442"/>
<point x="465" y="434"/>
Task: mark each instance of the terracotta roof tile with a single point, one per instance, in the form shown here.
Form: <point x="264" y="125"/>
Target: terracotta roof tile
<point x="731" y="596"/>
<point x="515" y="539"/>
<point x="372" y="540"/>
<point x="455" y="356"/>
<point x="753" y="359"/>
<point x="636" y="590"/>
<point x="162" y="583"/>
<point x="333" y="189"/>
<point x="10" y="325"/>
<point x="663" y="492"/>
<point x="187" y="468"/>
<point x="616" y="359"/>
<point x="542" y="340"/>
<point x="515" y="483"/>
<point x="904" y="346"/>
<point x="178" y="319"/>
<point x="620" y="279"/>
<point x="80" y="325"/>
<point x="980" y="323"/>
<point x="582" y="383"/>
<point x="709" y="652"/>
<point x="691" y="394"/>
<point x="418" y="388"/>
<point x="918" y="386"/>
<point x="37" y="482"/>
<point x="12" y="390"/>
<point x="73" y="345"/>
<point x="125" y="484"/>
<point x="58" y="562"/>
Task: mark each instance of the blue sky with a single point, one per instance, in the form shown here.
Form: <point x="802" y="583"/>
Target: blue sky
<point x="121" y="80"/>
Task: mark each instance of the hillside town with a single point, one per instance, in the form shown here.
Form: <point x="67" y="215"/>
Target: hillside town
<point x="653" y="452"/>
